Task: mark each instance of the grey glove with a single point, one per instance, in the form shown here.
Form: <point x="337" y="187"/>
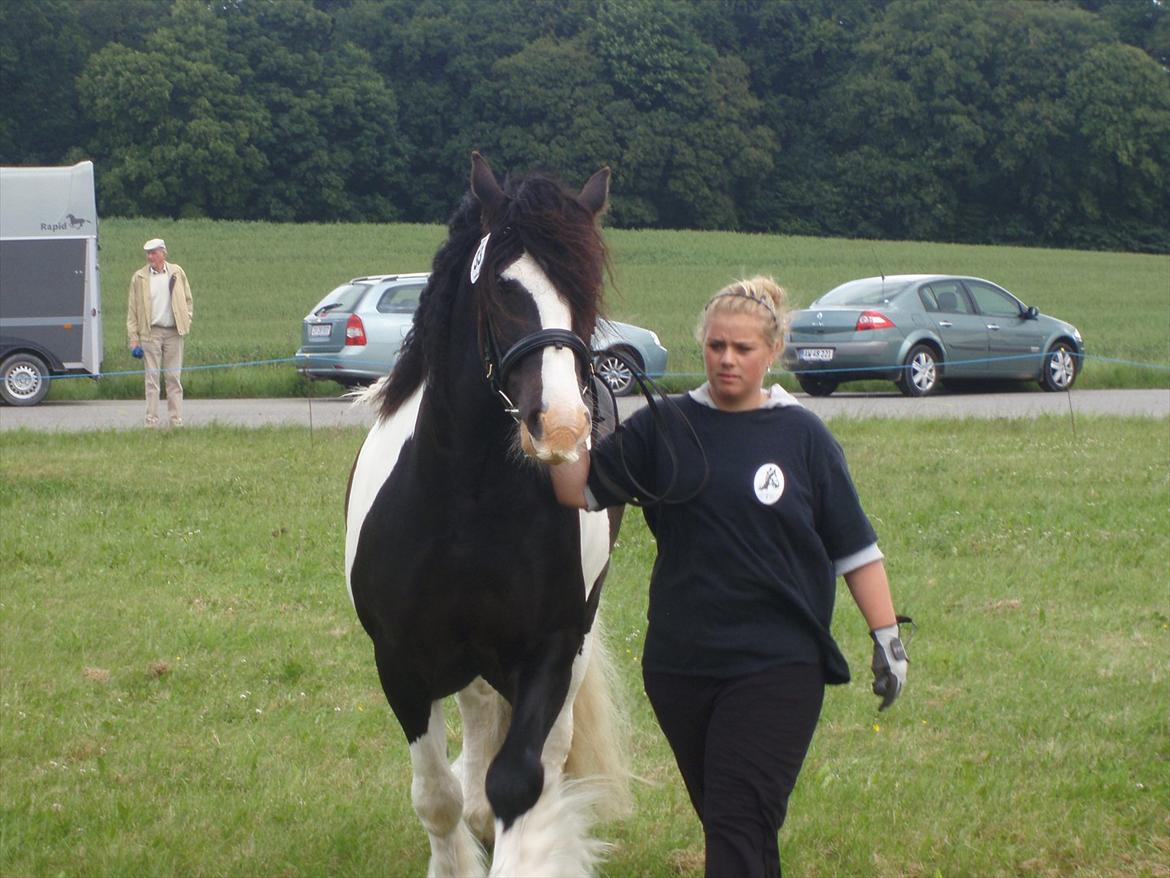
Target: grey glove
<point x="889" y="664"/>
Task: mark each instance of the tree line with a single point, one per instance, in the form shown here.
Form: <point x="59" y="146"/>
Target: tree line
<point x="1033" y="122"/>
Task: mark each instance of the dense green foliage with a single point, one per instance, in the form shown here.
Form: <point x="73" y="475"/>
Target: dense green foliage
<point x="981" y="121"/>
<point x="185" y="689"/>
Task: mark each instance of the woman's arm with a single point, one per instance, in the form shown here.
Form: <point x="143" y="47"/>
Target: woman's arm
<point x="871" y="591"/>
<point x="569" y="481"/>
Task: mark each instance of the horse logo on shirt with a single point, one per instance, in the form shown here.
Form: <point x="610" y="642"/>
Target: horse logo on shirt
<point x="768" y="483"/>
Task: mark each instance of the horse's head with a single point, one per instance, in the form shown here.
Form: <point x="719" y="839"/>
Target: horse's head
<point x="538" y="273"/>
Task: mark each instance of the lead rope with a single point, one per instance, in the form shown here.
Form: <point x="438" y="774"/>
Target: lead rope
<point x="649" y="389"/>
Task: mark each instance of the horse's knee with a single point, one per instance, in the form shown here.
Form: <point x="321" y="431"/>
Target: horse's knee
<point x="435" y="790"/>
<point x="438" y="802"/>
<point x="514" y="783"/>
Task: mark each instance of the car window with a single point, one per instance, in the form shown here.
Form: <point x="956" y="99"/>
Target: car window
<point x="993" y="301"/>
<point x="871" y="291"/>
<point x="927" y="298"/>
<point x="346" y="296"/>
<point x="949" y="296"/>
<point x="400" y="299"/>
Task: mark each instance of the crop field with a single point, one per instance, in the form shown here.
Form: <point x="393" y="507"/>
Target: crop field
<point x="185" y="689"/>
<point x="254" y="282"/>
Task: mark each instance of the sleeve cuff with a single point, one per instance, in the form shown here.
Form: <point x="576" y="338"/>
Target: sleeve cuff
<point x="850" y="563"/>
<point x="591" y="503"/>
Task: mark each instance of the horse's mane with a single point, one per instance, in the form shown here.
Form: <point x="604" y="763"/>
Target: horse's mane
<point x="541" y="218"/>
<point x="433" y="304"/>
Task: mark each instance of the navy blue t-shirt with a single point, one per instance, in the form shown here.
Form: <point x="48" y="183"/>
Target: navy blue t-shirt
<point x="744" y="578"/>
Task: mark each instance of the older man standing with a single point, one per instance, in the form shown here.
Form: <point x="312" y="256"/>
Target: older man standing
<point x="158" y="318"/>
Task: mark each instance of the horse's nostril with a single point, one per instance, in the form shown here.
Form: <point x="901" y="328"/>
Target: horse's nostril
<point x="536" y="420"/>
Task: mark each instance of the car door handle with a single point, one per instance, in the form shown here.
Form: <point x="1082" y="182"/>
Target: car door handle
<point x="945" y="324"/>
<point x="993" y="326"/>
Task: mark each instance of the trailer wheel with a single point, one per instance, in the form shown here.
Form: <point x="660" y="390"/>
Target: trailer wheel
<point x="24" y="379"/>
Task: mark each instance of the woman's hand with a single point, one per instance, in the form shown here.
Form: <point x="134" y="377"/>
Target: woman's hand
<point x="890" y="664"/>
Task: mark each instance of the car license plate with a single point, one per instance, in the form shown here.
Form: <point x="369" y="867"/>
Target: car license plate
<point x="320" y="330"/>
<point x="819" y="355"/>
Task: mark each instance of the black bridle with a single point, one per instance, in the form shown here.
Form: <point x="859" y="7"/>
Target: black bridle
<point x="497" y="368"/>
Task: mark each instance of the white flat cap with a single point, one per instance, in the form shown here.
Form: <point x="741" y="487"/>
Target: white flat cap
<point x="154" y="244"/>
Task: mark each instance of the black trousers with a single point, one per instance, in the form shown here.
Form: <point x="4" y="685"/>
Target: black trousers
<point x="739" y="744"/>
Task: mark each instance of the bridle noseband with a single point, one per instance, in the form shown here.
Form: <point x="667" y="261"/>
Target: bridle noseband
<point x="497" y="368"/>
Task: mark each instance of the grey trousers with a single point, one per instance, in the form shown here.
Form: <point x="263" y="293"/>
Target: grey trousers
<point x="163" y="353"/>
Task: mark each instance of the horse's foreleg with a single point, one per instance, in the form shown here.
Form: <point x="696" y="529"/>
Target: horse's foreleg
<point x="560" y="737"/>
<point x="485" y="722"/>
<point x="516" y="776"/>
<point x="434" y="789"/>
<point x="438" y="801"/>
<point x="542" y="826"/>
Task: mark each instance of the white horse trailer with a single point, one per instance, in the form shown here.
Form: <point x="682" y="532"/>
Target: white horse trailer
<point x="50" y="290"/>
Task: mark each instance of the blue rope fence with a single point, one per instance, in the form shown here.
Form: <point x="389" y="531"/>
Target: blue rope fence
<point x="820" y="370"/>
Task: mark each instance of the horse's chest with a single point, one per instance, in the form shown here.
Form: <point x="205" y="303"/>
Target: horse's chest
<point x="455" y="534"/>
<point x="441" y="521"/>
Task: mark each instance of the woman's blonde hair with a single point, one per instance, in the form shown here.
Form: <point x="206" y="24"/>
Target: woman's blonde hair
<point x="760" y="295"/>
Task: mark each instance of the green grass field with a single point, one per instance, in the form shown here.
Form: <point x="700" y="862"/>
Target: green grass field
<point x="185" y="690"/>
<point x="254" y="282"/>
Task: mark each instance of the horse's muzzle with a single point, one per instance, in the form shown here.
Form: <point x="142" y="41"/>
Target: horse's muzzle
<point x="562" y="433"/>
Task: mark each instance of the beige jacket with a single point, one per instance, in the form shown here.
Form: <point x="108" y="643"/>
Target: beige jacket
<point x="138" y="309"/>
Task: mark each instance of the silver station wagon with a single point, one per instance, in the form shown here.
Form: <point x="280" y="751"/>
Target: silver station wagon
<point x="354" y="334"/>
<point x="921" y="331"/>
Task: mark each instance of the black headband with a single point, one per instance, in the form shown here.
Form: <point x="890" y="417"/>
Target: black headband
<point x="746" y="294"/>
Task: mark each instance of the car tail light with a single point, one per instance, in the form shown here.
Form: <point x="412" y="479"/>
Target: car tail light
<point x="355" y="332"/>
<point x="873" y="320"/>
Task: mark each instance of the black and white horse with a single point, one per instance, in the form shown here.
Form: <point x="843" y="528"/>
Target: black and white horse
<point x="468" y="576"/>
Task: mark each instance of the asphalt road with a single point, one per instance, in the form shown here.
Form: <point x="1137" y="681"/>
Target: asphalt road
<point x="72" y="416"/>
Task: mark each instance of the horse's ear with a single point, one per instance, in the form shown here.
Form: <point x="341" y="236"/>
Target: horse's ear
<point x="595" y="192"/>
<point x="487" y="191"/>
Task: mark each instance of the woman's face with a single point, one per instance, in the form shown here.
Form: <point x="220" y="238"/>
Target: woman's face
<point x="737" y="356"/>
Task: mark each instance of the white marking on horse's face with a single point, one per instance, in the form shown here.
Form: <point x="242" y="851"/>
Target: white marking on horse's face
<point x="564" y="419"/>
<point x="376" y="460"/>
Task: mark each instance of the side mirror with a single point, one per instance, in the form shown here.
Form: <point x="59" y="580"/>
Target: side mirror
<point x="1031" y="313"/>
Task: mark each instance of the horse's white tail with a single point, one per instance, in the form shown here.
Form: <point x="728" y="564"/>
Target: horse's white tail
<point x="366" y="395"/>
<point x="554" y="837"/>
<point x="598" y="751"/>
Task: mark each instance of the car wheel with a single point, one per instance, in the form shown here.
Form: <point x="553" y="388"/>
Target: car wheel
<point x="816" y="385"/>
<point x="610" y="368"/>
<point x="24" y="380"/>
<point x="1060" y="367"/>
<point x="920" y="372"/>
